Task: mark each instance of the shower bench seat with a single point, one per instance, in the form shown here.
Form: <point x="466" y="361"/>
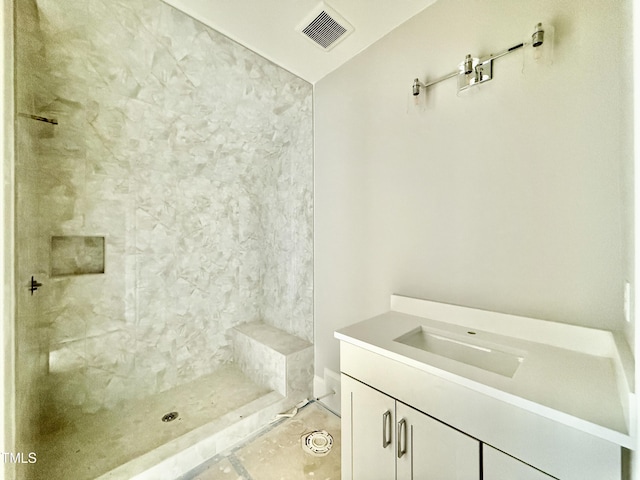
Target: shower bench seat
<point x="274" y="358"/>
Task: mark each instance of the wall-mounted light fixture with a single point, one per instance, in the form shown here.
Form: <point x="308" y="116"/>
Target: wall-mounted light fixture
<point x="474" y="71"/>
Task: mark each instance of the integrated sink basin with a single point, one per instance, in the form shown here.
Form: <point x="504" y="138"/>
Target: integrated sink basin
<point x="575" y="377"/>
<point x="555" y="396"/>
<point x="468" y="350"/>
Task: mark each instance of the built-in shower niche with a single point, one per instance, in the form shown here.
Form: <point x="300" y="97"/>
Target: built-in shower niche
<point x="76" y="255"/>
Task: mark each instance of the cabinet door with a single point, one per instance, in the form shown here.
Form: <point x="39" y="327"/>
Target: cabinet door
<point x="499" y="466"/>
<point x="367" y="433"/>
<point x="429" y="449"/>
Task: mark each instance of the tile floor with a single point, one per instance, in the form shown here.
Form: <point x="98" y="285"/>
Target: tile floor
<point x="276" y="453"/>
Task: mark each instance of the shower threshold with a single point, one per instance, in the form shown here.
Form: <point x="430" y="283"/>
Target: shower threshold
<point x="214" y="412"/>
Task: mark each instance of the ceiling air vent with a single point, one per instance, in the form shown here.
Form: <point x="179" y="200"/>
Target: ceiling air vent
<point x="325" y="27"/>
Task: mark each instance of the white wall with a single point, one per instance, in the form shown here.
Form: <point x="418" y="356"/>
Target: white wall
<point x="514" y="198"/>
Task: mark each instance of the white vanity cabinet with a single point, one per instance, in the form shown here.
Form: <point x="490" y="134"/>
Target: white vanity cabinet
<point x="432" y="449"/>
<point x="369" y="416"/>
<point x="440" y="392"/>
<point x="499" y="466"/>
<point x="386" y="439"/>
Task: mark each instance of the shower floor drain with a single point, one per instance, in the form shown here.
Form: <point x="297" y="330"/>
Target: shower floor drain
<point x="317" y="443"/>
<point x="169" y="417"/>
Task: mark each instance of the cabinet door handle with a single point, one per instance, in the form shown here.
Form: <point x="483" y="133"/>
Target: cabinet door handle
<point x="402" y="437"/>
<point x="386" y="429"/>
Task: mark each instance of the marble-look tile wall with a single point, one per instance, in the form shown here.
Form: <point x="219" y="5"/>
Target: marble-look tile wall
<point x="289" y="246"/>
<point x="192" y="157"/>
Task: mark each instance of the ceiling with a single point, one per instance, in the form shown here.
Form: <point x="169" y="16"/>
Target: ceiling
<point x="268" y="27"/>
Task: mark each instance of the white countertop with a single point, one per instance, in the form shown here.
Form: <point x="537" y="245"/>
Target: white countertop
<point x="569" y="374"/>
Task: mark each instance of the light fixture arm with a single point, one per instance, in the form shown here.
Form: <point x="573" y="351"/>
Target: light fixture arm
<point x="481" y="69"/>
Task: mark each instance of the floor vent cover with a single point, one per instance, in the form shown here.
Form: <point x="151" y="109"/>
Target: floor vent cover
<point x="317" y="443"/>
<point x="325" y="27"/>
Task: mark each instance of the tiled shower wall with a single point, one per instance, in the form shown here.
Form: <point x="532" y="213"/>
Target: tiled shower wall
<point x="192" y="157"/>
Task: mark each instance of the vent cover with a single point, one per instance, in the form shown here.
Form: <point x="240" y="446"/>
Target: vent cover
<point x="325" y="27"/>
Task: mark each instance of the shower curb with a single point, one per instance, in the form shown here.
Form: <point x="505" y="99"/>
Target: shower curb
<point x="190" y="450"/>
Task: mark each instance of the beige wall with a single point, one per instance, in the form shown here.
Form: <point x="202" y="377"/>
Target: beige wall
<point x="7" y="422"/>
<point x="515" y="198"/>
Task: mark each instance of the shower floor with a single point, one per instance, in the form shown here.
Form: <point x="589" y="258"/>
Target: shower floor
<point x="97" y="443"/>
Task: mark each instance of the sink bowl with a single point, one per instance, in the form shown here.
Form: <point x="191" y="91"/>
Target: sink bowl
<point x="480" y="354"/>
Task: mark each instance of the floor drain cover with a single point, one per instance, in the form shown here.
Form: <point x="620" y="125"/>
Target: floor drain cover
<point x="317" y="443"/>
<point x="170" y="416"/>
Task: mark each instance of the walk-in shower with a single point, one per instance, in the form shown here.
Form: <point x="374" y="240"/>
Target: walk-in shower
<point x="164" y="216"/>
